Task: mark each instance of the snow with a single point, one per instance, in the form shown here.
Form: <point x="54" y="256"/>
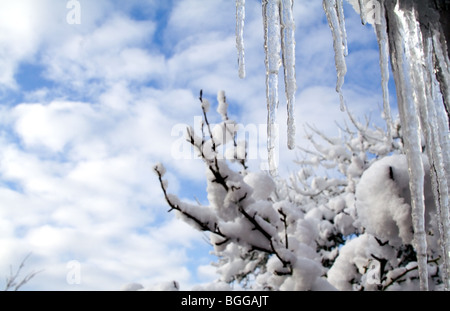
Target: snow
<point x="206" y="105"/>
<point x="216" y="286"/>
<point x="263" y="185"/>
<point x="344" y="223"/>
<point x="222" y="107"/>
<point x="356" y="166"/>
<point x="163" y="287"/>
<point x="224" y="132"/>
<point x="159" y="168"/>
<point x="238" y="153"/>
<point x="383" y="200"/>
<point x="352" y="257"/>
<point x="132" y="287"/>
<point x="366" y="10"/>
<point x="306" y="273"/>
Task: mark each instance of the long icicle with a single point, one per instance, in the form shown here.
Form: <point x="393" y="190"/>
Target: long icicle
<point x="288" y="49"/>
<point x="442" y="69"/>
<point x="383" y="44"/>
<point x="439" y="61"/>
<point x="331" y="11"/>
<point x="341" y="19"/>
<point x="240" y="20"/>
<point x="436" y="130"/>
<point x="272" y="44"/>
<point x="414" y="51"/>
<point x="402" y="44"/>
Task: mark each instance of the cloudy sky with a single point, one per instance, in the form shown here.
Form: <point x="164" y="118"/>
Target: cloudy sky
<point x="88" y="109"/>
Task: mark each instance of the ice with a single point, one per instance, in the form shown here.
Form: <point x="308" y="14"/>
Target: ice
<point x="362" y="12"/>
<point x="442" y="69"/>
<point x="404" y="40"/>
<point x="240" y="20"/>
<point x="288" y="48"/>
<point x="279" y="39"/>
<point x="412" y="35"/>
<point x="272" y="34"/>
<point x="383" y="44"/>
<point x="335" y="21"/>
<point x="367" y="9"/>
<point x="341" y="18"/>
<point x="436" y="129"/>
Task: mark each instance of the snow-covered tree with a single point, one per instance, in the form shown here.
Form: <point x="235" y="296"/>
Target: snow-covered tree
<point x="346" y="209"/>
<point x="383" y="257"/>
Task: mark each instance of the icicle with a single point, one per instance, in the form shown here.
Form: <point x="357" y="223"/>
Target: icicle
<point x="341" y="18"/>
<point x="362" y="12"/>
<point x="382" y="38"/>
<point x="413" y="50"/>
<point x="436" y="129"/>
<point x="288" y="48"/>
<point x="405" y="40"/>
<point x="279" y="36"/>
<point x="440" y="66"/>
<point x="240" y="19"/>
<point x="272" y="33"/>
<point x="331" y="8"/>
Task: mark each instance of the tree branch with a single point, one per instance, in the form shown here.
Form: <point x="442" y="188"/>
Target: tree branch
<point x="202" y="225"/>
<point x="11" y="281"/>
<point x="406" y="272"/>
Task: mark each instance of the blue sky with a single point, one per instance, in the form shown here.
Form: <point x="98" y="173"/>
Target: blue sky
<point x="87" y="110"/>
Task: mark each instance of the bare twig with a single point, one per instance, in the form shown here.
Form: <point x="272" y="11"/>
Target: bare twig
<point x="12" y="282"/>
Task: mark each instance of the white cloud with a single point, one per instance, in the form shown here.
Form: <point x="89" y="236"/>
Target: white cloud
<point x="52" y="126"/>
<point x="17" y="41"/>
<point x="209" y="17"/>
<point x="110" y="53"/>
<point x="27" y="26"/>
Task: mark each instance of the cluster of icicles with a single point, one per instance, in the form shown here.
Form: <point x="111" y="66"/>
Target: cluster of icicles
<point x="279" y="43"/>
<point x="421" y="69"/>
